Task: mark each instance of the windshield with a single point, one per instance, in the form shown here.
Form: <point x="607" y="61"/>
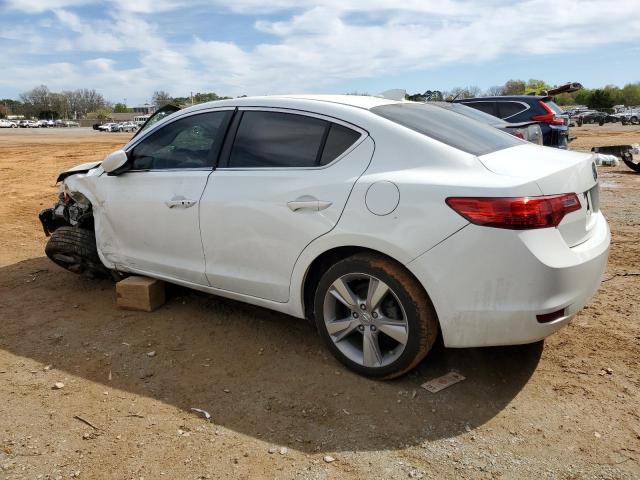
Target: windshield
<point x="450" y="128"/>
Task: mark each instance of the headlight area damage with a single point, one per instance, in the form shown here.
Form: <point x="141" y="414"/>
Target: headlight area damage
<point x="70" y="226"/>
<point x="72" y="209"/>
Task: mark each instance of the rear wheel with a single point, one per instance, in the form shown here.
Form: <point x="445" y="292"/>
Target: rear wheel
<point x="75" y="249"/>
<point x="374" y="316"/>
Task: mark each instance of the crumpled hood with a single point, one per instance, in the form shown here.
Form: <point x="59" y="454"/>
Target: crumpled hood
<point x="82" y="168"/>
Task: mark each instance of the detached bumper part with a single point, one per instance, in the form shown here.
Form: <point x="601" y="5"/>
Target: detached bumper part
<point x="47" y="221"/>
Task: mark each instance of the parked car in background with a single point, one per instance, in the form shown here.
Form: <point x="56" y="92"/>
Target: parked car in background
<point x="28" y="124"/>
<point x="529" y="131"/>
<point x="594" y="116"/>
<point x="631" y="116"/>
<point x="7" y="123"/>
<point x="128" y="127"/>
<point x="106" y="127"/>
<point x="522" y="108"/>
<point x="43" y="123"/>
<point x="387" y="223"/>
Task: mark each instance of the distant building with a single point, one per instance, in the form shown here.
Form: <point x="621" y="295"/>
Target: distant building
<point x="146" y="109"/>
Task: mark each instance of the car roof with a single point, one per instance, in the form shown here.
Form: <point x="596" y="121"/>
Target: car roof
<point x="365" y="102"/>
<point x="507" y="97"/>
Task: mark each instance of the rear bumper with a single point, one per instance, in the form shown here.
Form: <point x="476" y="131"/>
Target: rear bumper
<point x="556" y="136"/>
<point x="488" y="285"/>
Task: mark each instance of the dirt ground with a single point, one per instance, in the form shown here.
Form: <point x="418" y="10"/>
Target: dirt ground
<point x="567" y="408"/>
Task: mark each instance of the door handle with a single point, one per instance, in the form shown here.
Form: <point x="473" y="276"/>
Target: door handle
<point x="180" y="202"/>
<point x="307" y="202"/>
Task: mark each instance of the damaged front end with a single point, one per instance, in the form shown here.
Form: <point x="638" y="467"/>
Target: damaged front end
<point x="72" y="209"/>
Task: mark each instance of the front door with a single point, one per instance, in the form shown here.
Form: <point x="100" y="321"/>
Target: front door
<point x="152" y="209"/>
<point x="283" y="180"/>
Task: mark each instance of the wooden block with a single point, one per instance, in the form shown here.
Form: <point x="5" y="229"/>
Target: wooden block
<point x="140" y="293"/>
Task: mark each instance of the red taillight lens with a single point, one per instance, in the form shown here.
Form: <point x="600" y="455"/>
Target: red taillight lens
<point x="517" y="133"/>
<point x="521" y="213"/>
<point x="549" y="117"/>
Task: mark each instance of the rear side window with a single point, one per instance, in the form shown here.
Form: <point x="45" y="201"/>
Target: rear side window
<point x="286" y="140"/>
<point x="339" y="139"/>
<point x="509" y="109"/>
<point x="273" y="139"/>
<point x="486" y="107"/>
<point x="448" y="127"/>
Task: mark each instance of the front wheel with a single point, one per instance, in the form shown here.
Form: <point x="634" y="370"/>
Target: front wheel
<point x="75" y="249"/>
<point x="374" y="316"/>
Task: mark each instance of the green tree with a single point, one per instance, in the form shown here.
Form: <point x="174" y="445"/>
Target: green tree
<point x="630" y="94"/>
<point x="615" y="93"/>
<point x="103" y="114"/>
<point x="120" y="108"/>
<point x="600" y="99"/>
<point x="514" y="87"/>
<point x="536" y="86"/>
<point x="565" y="99"/>
<point x="583" y="97"/>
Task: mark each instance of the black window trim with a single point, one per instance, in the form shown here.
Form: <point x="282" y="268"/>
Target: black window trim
<point x="213" y="155"/>
<point x="223" y="160"/>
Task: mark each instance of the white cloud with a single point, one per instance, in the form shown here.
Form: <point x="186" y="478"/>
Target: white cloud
<point x="311" y="45"/>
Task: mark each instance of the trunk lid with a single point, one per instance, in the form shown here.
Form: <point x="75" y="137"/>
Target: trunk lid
<point x="555" y="171"/>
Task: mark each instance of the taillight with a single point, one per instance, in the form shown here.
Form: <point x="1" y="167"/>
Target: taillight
<point x="549" y="117"/>
<point x="516" y="213"/>
<point x="517" y="133"/>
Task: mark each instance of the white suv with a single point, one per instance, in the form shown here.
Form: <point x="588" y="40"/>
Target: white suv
<point x="386" y="222"/>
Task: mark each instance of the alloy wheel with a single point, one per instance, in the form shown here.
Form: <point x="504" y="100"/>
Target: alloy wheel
<point x="365" y="320"/>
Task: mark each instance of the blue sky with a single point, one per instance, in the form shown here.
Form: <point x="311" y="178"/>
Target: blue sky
<point x="128" y="48"/>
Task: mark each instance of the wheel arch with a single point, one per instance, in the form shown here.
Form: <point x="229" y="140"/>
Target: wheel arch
<point x="322" y="262"/>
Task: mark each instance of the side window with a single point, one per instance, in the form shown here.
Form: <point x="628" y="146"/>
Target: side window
<point x="338" y="141"/>
<point x="508" y="109"/>
<point x="185" y="143"/>
<point x="274" y="139"/>
<point x="486" y="107"/>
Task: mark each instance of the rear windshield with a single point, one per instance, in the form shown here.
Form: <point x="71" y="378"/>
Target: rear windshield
<point x="448" y="127"/>
<point x="552" y="105"/>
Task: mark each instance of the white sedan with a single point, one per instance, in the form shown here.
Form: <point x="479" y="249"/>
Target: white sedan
<point x="7" y="123"/>
<point x="387" y="223"/>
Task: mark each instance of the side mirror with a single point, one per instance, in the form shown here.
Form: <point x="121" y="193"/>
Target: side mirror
<point x="115" y="161"/>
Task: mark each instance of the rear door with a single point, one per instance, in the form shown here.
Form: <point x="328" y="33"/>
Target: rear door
<point x="282" y="181"/>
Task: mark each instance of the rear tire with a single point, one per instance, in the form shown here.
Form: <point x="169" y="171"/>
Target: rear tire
<point x="402" y="323"/>
<point x="75" y="249"/>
